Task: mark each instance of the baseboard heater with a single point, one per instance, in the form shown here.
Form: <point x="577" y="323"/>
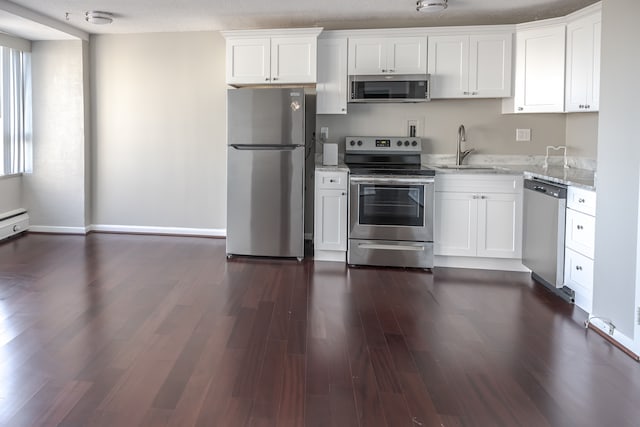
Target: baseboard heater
<point x="13" y="222"/>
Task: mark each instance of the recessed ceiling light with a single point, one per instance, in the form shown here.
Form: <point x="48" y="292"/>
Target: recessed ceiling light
<point x="98" y="18"/>
<point x="431" y="5"/>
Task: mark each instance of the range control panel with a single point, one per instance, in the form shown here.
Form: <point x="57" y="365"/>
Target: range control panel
<point x="402" y="144"/>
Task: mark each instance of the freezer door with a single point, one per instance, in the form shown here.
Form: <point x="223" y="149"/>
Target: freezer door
<point x="265" y="201"/>
<point x="266" y="116"/>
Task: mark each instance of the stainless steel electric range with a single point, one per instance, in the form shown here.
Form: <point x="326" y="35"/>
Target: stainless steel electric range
<point x="390" y="203"/>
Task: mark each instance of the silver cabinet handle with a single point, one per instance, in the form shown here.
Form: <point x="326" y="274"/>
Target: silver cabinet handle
<point x="474" y="93"/>
<point x="587" y="106"/>
<point x="475" y="196"/>
<point x="520" y="108"/>
<point x="579" y="268"/>
<point x="267" y="79"/>
<point x="332" y="180"/>
<point x="579" y="227"/>
<point x="344" y="193"/>
<point x="483" y="197"/>
<point x="392" y="71"/>
<point x="465" y="93"/>
<point x="384" y="71"/>
<point x="343" y="109"/>
<point x="580" y="200"/>
<point x="275" y="78"/>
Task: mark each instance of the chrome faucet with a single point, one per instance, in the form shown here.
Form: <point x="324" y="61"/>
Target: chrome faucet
<point x="462" y="137"/>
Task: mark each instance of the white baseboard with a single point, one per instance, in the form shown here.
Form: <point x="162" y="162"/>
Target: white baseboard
<point x="505" y="264"/>
<point x="169" y="231"/>
<point x="624" y="340"/>
<point x="336" y="256"/>
<point x="58" y="230"/>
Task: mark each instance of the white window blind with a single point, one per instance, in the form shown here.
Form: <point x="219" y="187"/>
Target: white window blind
<point x="15" y="111"/>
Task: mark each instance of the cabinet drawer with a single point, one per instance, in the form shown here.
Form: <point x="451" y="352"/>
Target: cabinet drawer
<point x="578" y="271"/>
<point x="580" y="232"/>
<point x="478" y="183"/>
<point x="331" y="180"/>
<point x="581" y="200"/>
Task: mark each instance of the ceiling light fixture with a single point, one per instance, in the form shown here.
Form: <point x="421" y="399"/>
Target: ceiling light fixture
<point x="431" y="5"/>
<point x="98" y="18"/>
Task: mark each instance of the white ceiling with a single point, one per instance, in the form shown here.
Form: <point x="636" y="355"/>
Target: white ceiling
<point x="141" y="16"/>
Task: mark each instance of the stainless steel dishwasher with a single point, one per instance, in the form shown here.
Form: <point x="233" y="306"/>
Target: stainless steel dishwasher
<point x="543" y="234"/>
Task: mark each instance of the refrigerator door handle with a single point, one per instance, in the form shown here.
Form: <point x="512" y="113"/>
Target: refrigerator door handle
<point x="248" y="147"/>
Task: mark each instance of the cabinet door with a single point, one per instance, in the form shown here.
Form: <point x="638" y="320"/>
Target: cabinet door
<point x="248" y="61"/>
<point x="367" y="56"/>
<point x="449" y="66"/>
<point x="331" y="220"/>
<point x="578" y="275"/>
<point x="490" y="65"/>
<point x="583" y="64"/>
<point x="293" y="59"/>
<point x="332" y="77"/>
<point x="540" y="58"/>
<point x="407" y="55"/>
<point x="500" y="225"/>
<point x="455" y="224"/>
<point x="580" y="232"/>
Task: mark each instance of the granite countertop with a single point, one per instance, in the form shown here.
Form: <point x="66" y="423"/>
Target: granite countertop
<point x="340" y="167"/>
<point x="580" y="173"/>
<point x="583" y="178"/>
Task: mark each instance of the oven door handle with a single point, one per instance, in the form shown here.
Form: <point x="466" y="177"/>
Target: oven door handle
<point x="387" y="180"/>
<point x="417" y="247"/>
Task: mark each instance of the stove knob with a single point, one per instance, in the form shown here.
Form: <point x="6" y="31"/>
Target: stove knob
<point x="399" y="143"/>
<point x="359" y="143"/>
<point x="352" y="142"/>
<point x="406" y="143"/>
<point x="414" y="143"/>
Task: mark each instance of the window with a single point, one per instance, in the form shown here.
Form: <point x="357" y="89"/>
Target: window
<point x="15" y="111"/>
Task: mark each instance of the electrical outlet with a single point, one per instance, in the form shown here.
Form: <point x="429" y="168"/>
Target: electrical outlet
<point x="324" y="134"/>
<point x="523" y="135"/>
<point x="413" y="126"/>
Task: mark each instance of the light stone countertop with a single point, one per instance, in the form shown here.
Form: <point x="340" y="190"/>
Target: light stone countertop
<point x="581" y="172"/>
<point x="340" y="167"/>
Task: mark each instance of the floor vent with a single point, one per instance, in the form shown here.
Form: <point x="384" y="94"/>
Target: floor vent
<point x="13" y="222"/>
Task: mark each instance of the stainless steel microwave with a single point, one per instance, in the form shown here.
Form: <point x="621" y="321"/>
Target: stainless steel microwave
<point x="389" y="88"/>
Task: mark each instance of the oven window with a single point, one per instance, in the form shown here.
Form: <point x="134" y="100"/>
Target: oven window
<point x="396" y="205"/>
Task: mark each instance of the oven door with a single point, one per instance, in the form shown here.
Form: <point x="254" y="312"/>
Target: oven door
<point x="390" y="208"/>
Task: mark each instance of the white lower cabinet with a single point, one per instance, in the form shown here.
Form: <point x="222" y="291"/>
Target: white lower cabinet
<point x="579" y="245"/>
<point x="330" y="221"/>
<point x="478" y="216"/>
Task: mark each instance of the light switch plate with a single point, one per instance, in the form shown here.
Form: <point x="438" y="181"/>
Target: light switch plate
<point x="523" y="135"/>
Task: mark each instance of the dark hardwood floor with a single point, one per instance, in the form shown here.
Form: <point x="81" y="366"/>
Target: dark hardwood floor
<point x="116" y="330"/>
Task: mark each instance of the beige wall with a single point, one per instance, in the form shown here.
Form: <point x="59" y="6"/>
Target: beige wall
<point x="488" y="130"/>
<point x="55" y="192"/>
<point x="616" y="293"/>
<point x="10" y="193"/>
<point x="159" y="130"/>
<point x="582" y="135"/>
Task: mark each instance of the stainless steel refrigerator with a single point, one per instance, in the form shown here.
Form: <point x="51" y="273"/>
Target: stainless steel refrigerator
<point x="269" y="131"/>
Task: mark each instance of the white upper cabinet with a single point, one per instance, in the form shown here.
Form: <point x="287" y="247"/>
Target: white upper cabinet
<point x="476" y="66"/>
<point x="249" y="61"/>
<point x="271" y="56"/>
<point x="583" y="64"/>
<point x="332" y="83"/>
<point x="539" y="71"/>
<point x="387" y="55"/>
